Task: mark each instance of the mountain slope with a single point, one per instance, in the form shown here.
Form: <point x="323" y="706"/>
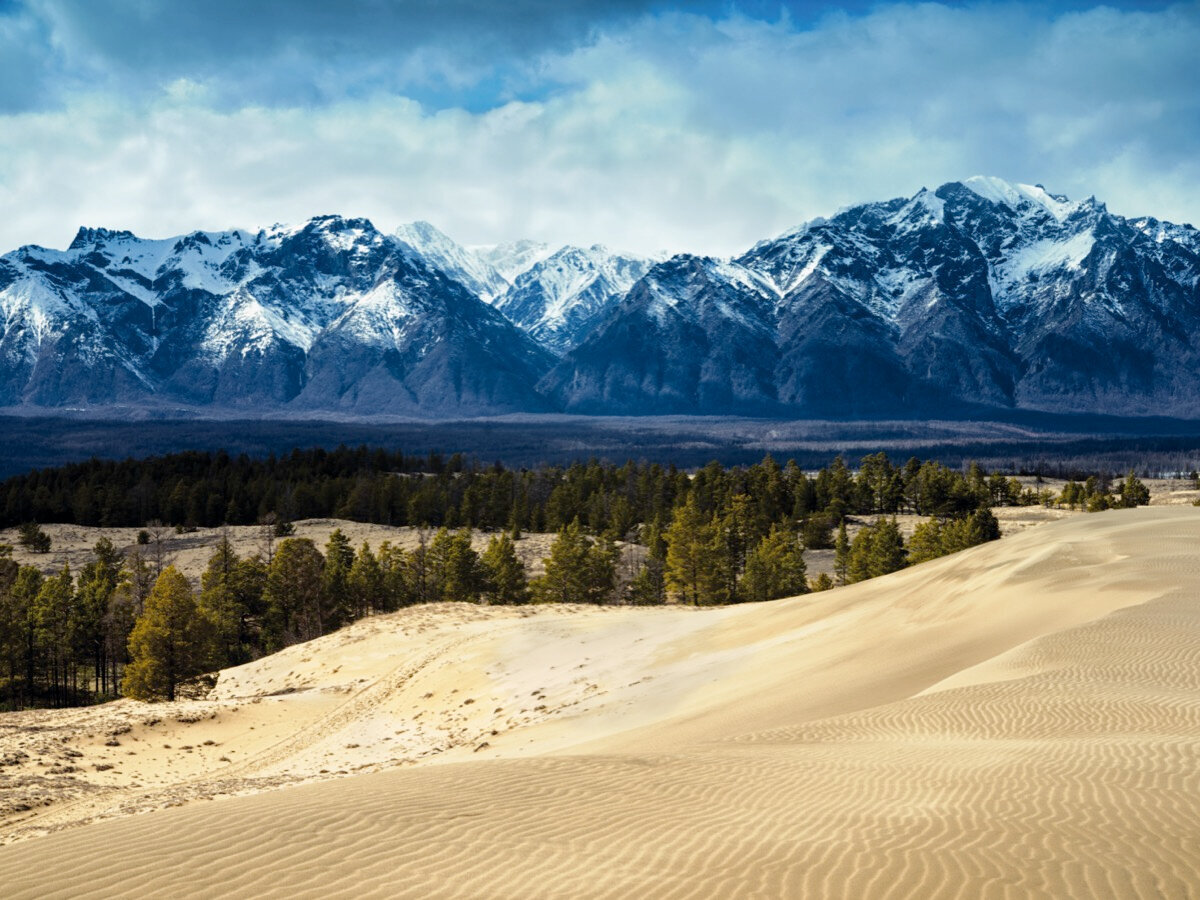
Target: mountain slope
<point x="332" y="315"/>
<point x="559" y="299"/>
<point x="981" y="293"/>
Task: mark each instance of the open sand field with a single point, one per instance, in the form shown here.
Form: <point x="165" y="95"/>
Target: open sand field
<point x="1018" y="720"/>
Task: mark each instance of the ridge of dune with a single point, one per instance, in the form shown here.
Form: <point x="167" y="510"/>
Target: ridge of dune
<point x="1022" y="718"/>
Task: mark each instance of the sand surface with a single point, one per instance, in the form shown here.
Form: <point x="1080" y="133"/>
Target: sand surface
<point x="1021" y="719"/>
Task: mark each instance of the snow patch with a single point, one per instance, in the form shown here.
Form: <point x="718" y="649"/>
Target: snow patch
<point x="1004" y="193"/>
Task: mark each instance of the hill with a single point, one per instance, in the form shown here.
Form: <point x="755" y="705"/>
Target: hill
<point x="1017" y="718"/>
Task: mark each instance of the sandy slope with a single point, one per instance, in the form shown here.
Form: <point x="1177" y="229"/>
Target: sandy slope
<point x="1022" y="719"/>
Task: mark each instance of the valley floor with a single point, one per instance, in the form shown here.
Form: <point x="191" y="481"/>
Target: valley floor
<point x="1020" y="719"/>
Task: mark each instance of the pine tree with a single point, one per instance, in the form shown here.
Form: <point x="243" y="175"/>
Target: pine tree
<point x="1134" y="492"/>
<point x="504" y="575"/>
<point x="12" y="617"/>
<point x="366" y="583"/>
<point x="877" y="550"/>
<point x="167" y="645"/>
<point x="841" y="557"/>
<point x="926" y="542"/>
<point x="97" y="582"/>
<point x="689" y="554"/>
<point x="293" y="594"/>
<point x="648" y="588"/>
<point x="454" y="567"/>
<point x="564" y="579"/>
<point x="775" y="568"/>
<point x="601" y="572"/>
<point x="821" y="583"/>
<point x="54" y="622"/>
<point x="218" y="603"/>
<point x="336" y="602"/>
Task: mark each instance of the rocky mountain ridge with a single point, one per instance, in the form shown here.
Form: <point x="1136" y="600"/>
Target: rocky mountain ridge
<point x="978" y="294"/>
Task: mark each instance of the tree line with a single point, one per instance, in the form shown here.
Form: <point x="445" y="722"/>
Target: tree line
<point x="128" y="622"/>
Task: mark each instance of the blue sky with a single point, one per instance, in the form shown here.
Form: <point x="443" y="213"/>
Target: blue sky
<point x="644" y="125"/>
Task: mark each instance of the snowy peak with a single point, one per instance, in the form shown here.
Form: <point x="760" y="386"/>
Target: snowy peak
<point x="459" y="263"/>
<point x="299" y="315"/>
<point x="512" y="258"/>
<point x="558" y="299"/>
<point x="1018" y="196"/>
<point x="980" y="292"/>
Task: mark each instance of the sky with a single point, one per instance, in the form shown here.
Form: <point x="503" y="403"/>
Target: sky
<point x="645" y="126"/>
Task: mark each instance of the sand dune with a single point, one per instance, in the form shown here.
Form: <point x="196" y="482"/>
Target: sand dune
<point x="1022" y="719"/>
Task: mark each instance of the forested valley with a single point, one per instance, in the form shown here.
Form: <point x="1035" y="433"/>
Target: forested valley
<point x="130" y="623"/>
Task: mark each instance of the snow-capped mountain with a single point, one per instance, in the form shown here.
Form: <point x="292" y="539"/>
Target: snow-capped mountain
<point x="553" y="296"/>
<point x="332" y="315"/>
<point x="693" y="334"/>
<point x="512" y="258"/>
<point x="979" y="294"/>
<point x="558" y="299"/>
<point x="461" y="264"/>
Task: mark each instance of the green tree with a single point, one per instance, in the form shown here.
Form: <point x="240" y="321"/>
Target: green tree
<point x="231" y="590"/>
<point x="336" y="601"/>
<point x="926" y="542"/>
<point x="877" y="549"/>
<point x="1134" y="492"/>
<point x="822" y="583"/>
<point x="97" y="582"/>
<point x="817" y="532"/>
<point x="168" y="643"/>
<point x="504" y="575"/>
<point x="648" y="587"/>
<point x="775" y="568"/>
<point x="31" y="536"/>
<point x="293" y="594"/>
<point x="577" y="570"/>
<point x="366" y="582"/>
<point x="12" y="620"/>
<point x="690" y="562"/>
<point x="54" y="624"/>
<point x="454" y="567"/>
<point x="841" y="556"/>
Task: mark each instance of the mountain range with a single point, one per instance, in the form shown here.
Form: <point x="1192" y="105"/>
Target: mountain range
<point x="978" y="295"/>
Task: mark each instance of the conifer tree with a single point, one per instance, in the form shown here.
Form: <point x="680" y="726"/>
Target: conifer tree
<point x="218" y="602"/>
<point x="293" y="594"/>
<point x="775" y="568"/>
<point x="12" y="617"/>
<point x="648" y="588"/>
<point x="54" y="622"/>
<point x="689" y="568"/>
<point x="841" y="557"/>
<point x="504" y="574"/>
<point x="97" y="582"/>
<point x="366" y="583"/>
<point x="167" y="645"/>
<point x="877" y="550"/>
<point x="454" y="567"/>
<point x="821" y="583"/>
<point x="564" y="580"/>
<point x="1134" y="492"/>
<point x="336" y="601"/>
<point x="926" y="542"/>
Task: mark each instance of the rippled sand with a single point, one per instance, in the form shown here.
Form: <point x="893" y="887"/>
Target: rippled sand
<point x="1022" y="719"/>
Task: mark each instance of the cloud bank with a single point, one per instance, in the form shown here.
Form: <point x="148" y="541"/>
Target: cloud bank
<point x="641" y="125"/>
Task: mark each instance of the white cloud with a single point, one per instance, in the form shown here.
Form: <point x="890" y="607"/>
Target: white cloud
<point x="675" y="132"/>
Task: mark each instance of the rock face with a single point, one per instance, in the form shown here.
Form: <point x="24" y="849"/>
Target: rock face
<point x="558" y="300"/>
<point x="329" y="316"/>
<point x="980" y="294"/>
